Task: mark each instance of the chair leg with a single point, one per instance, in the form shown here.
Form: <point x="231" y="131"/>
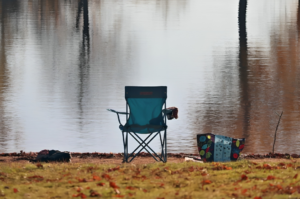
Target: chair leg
<point x="143" y="146"/>
<point x="147" y="145"/>
<point x="125" y="145"/>
<point x="166" y="154"/>
<point x="163" y="143"/>
<point x="140" y="145"/>
<point x="124" y="157"/>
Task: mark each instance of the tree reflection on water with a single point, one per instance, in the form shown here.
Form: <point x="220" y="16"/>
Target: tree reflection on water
<point x="80" y="54"/>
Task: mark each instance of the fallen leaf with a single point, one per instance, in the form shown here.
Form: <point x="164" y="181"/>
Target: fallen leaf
<point x="130" y="194"/>
<point x="118" y="196"/>
<point x="16" y="190"/>
<point x="244" y="177"/>
<point x="295" y="177"/>
<point x="36" y="177"/>
<point x="244" y="191"/>
<point x="94" y="194"/>
<point x="162" y="185"/>
<point x="228" y="168"/>
<point x="79" y="189"/>
<point x="113" y="169"/>
<point x="101" y="184"/>
<point x="67" y="174"/>
<point x="270" y="178"/>
<point x="106" y="176"/>
<point x="113" y="185"/>
<point x="82" y="180"/>
<point x="206" y="182"/>
<point x="191" y="169"/>
<point x="267" y="166"/>
<point x="79" y="195"/>
<point x="138" y="171"/>
<point x="257" y="197"/>
<point x="39" y="165"/>
<point x="279" y="186"/>
<point x="130" y="188"/>
<point x="96" y="178"/>
<point x="89" y="169"/>
<point x="281" y="164"/>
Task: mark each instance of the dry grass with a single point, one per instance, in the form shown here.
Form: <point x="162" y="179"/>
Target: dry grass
<point x="242" y="179"/>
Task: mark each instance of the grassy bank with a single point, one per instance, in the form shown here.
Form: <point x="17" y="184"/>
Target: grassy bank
<point x="242" y="179"/>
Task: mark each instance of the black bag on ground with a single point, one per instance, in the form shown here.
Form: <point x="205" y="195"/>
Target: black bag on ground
<point x="53" y="156"/>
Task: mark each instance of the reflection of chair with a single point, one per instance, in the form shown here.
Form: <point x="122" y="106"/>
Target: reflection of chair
<point x="145" y="117"/>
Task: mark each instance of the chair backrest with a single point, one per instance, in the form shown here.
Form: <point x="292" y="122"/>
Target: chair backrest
<point x="145" y="104"/>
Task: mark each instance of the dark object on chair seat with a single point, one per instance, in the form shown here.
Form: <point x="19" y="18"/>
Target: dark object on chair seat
<point x="219" y="148"/>
<point x="53" y="156"/>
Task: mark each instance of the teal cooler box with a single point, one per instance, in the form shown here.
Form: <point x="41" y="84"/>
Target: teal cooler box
<point x="219" y="148"/>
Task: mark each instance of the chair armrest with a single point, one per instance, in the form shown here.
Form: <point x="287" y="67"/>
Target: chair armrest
<point x="111" y="110"/>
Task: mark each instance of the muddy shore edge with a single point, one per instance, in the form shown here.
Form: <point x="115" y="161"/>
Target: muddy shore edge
<point x="142" y="158"/>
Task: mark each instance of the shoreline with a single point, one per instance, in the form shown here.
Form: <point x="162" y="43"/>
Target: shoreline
<point x="143" y="158"/>
<point x="143" y="154"/>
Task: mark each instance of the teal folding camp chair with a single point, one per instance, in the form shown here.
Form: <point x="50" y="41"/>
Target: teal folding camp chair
<point x="145" y="116"/>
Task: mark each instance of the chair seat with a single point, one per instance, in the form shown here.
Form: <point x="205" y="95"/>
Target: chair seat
<point x="144" y="129"/>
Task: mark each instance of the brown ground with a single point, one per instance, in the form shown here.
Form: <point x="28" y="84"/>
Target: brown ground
<point x="137" y="160"/>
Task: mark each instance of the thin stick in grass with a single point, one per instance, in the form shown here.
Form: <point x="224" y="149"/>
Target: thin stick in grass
<point x="276" y="131"/>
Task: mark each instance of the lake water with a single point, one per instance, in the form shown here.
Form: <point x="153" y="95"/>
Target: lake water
<point x="230" y="67"/>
